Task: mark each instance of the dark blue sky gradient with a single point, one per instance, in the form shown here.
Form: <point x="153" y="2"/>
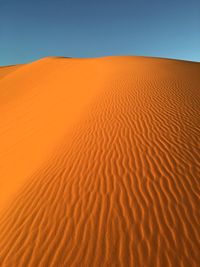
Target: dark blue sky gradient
<point x="30" y="30"/>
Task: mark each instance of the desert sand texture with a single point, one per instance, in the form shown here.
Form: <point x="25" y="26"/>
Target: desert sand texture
<point x="100" y="163"/>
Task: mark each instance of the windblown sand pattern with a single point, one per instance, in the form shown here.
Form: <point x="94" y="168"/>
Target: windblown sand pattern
<point x="100" y="163"/>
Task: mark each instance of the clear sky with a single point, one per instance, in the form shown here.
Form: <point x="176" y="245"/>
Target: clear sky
<point x="31" y="29"/>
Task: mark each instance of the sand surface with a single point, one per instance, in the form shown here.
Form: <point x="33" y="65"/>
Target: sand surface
<point x="100" y="163"/>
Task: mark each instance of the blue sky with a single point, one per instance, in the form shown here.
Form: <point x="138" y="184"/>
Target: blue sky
<point x="30" y="30"/>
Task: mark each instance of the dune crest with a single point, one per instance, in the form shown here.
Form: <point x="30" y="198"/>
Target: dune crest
<point x="100" y="163"/>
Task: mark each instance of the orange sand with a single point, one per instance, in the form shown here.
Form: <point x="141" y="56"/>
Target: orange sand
<point x="100" y="163"/>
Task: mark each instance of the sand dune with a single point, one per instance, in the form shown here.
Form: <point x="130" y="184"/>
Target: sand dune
<point x="8" y="69"/>
<point x="100" y="163"/>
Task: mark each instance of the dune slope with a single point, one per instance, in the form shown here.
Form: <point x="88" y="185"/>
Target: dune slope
<point x="8" y="69"/>
<point x="100" y="163"/>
